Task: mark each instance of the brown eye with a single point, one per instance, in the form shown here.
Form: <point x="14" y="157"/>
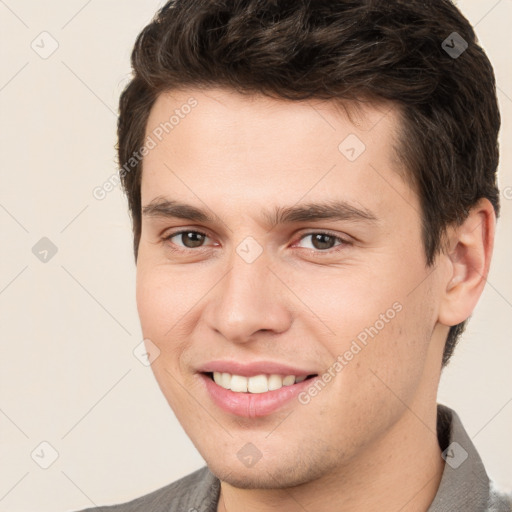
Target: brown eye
<point x="189" y="239"/>
<point x="323" y="241"/>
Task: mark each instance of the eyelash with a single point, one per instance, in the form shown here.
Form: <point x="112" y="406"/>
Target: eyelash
<point x="319" y="252"/>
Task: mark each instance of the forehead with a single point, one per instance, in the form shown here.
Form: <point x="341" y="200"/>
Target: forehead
<point x="219" y="110"/>
<point x="254" y="148"/>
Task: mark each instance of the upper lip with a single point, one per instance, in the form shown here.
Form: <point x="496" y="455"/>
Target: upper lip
<point x="253" y="368"/>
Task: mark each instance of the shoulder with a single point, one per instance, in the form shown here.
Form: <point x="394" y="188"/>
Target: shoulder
<point x="499" y="501"/>
<point x="465" y="485"/>
<point x="197" y="491"/>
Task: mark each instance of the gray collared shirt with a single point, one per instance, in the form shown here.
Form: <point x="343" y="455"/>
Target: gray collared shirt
<point x="464" y="487"/>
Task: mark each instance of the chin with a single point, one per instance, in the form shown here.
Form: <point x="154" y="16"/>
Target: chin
<point x="267" y="476"/>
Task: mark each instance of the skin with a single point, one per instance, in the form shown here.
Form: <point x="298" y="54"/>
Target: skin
<point x="367" y="441"/>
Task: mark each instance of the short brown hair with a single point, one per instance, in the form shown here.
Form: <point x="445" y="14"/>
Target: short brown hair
<point x="410" y="52"/>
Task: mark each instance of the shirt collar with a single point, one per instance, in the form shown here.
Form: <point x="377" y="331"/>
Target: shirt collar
<point x="464" y="483"/>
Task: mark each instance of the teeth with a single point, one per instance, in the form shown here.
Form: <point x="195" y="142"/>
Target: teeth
<point x="225" y="380"/>
<point x="257" y="384"/>
<point x="289" y="380"/>
<point x="275" y="382"/>
<point x="238" y="383"/>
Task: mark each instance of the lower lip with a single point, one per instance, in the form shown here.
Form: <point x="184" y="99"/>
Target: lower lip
<point x="252" y="405"/>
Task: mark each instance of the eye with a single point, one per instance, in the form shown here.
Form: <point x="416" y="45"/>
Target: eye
<point x="190" y="239"/>
<point x="322" y="241"/>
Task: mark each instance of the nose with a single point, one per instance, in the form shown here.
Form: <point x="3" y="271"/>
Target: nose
<point x="248" y="299"/>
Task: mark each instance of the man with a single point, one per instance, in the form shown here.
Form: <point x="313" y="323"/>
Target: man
<point x="313" y="192"/>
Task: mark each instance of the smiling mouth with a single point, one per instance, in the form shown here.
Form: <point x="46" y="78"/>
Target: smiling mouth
<point x="261" y="383"/>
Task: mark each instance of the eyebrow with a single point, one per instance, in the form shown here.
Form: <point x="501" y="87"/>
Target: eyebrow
<point x="308" y="212"/>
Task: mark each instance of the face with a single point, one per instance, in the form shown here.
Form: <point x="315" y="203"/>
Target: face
<point x="281" y="277"/>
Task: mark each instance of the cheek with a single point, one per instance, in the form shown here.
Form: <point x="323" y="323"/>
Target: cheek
<point x="390" y="367"/>
<point x="162" y="303"/>
<point x="349" y="301"/>
<point x="164" y="296"/>
<point x="161" y="308"/>
<point x="382" y="322"/>
<point x="153" y="303"/>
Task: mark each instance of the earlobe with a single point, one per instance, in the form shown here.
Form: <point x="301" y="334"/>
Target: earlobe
<point x="468" y="257"/>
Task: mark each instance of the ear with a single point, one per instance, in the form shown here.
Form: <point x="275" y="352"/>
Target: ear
<point x="468" y="256"/>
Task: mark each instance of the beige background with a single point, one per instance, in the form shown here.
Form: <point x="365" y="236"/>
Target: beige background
<point x="67" y="372"/>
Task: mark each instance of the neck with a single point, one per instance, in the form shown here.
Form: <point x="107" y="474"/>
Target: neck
<point x="400" y="471"/>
